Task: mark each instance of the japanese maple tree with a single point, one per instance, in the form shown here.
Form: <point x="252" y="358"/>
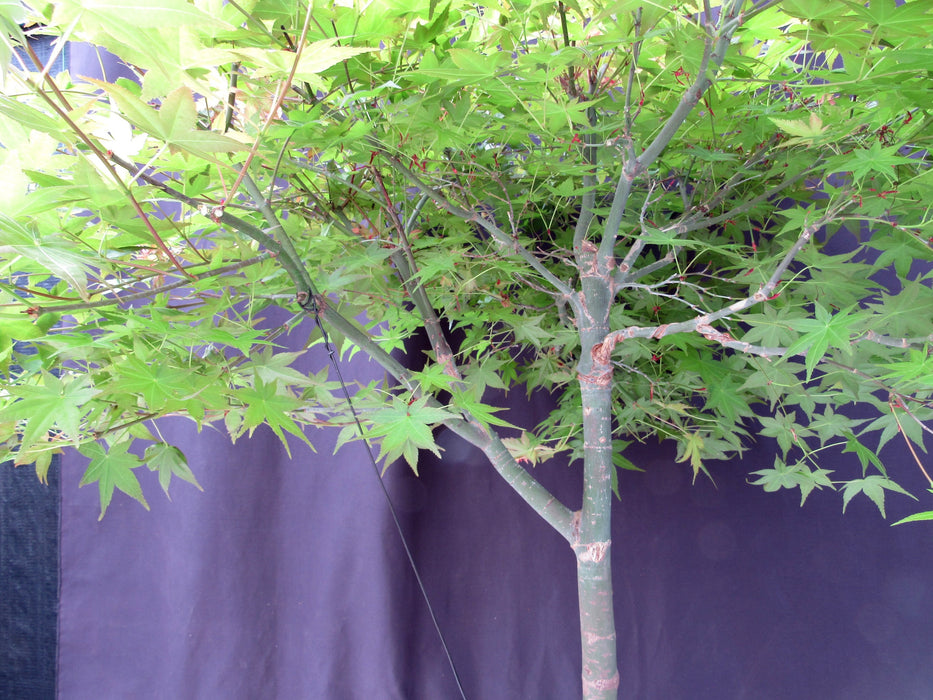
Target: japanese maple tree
<point x="681" y="221"/>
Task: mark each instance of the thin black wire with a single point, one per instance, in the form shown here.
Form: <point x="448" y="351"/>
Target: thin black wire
<point x="311" y="304"/>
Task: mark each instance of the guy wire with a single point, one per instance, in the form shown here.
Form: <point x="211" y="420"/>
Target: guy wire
<point x="310" y="304"/>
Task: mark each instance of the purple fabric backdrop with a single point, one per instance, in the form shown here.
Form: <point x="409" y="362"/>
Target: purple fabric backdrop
<point x="285" y="579"/>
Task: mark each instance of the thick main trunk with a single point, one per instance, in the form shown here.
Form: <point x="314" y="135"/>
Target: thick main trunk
<point x="592" y="543"/>
<point x="597" y="627"/>
<point x="592" y="538"/>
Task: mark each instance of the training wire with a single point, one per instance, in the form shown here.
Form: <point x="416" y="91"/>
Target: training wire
<point x="310" y="304"/>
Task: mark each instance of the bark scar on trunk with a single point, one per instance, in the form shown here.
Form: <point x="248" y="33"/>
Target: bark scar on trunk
<point x="598" y="377"/>
<point x="575" y="527"/>
<point x="592" y="551"/>
<point x="602" y="684"/>
<point x="602" y="352"/>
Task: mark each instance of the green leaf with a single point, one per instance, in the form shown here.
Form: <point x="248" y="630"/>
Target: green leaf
<point x="769" y="327"/>
<point x="894" y="19"/>
<point x="792" y="476"/>
<point x="434" y="378"/>
<point x="865" y="455"/>
<point x="178" y="117"/>
<point x="725" y="397"/>
<point x="916" y="517"/>
<point x="619" y="461"/>
<point x="821" y="333"/>
<point x="528" y="329"/>
<point x="112" y="469"/>
<point x="691" y="448"/>
<point x="277" y="63"/>
<point x="157" y="382"/>
<point x="12" y="18"/>
<point x="919" y="368"/>
<point x="274" y="366"/>
<point x="347" y="434"/>
<point x="50" y="252"/>
<point x="54" y="401"/>
<point x="115" y="13"/>
<point x="529" y="448"/>
<point x="906" y="313"/>
<point x="135" y="110"/>
<point x="406" y="428"/>
<point x="175" y="122"/>
<point x="265" y="403"/>
<point x="42" y="464"/>
<point x="169" y="461"/>
<point x="20" y="327"/>
<point x="806" y="131"/>
<point x="831" y="425"/>
<point x="655" y="236"/>
<point x="465" y="402"/>
<point x="874" y="160"/>
<point x="29" y="116"/>
<point x="485" y="373"/>
<point x="784" y="428"/>
<point x="874" y="487"/>
<point x="901" y="251"/>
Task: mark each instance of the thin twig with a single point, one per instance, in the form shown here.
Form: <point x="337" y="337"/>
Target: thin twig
<point x="633" y="66"/>
<point x="136" y="296"/>
<point x="571" y="78"/>
<point x="505" y="241"/>
<point x="276" y="104"/>
<point x="910" y="445"/>
<point x="703" y="323"/>
<point x="65" y="115"/>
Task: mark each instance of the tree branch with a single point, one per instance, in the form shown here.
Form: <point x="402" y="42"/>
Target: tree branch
<point x="625" y="274"/>
<point x="539" y="498"/>
<point x="621" y="275"/>
<point x="713" y="56"/>
<point x="292" y="266"/>
<point x="588" y="202"/>
<point x="697" y="221"/>
<point x="66" y="116"/>
<point x="504" y="240"/>
<point x="404" y="259"/>
<point x="136" y="296"/>
<point x="520" y="480"/>
<point x="702" y="323"/>
<point x="727" y="341"/>
<point x="633" y="67"/>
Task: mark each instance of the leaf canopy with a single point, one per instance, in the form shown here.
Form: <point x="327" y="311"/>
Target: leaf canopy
<point x="727" y="218"/>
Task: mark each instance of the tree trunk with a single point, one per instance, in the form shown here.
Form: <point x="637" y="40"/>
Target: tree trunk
<point x="597" y="626"/>
<point x="592" y="544"/>
<point x="591" y="538"/>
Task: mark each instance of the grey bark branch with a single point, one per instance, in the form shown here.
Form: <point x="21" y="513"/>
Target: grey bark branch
<point x="503" y="239"/>
<point x="702" y="323"/>
<point x="404" y="259"/>
<point x="713" y="56"/>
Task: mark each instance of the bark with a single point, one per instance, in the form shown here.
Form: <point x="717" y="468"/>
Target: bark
<point x="592" y="548"/>
<point x="592" y="535"/>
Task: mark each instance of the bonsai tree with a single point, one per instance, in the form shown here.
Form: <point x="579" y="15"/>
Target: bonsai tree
<point x="684" y="222"/>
